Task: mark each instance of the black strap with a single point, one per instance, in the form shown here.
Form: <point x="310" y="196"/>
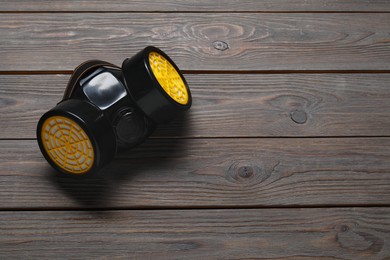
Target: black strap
<point x="80" y="71"/>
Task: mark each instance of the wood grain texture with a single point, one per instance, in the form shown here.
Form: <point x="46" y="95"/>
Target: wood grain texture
<point x="341" y="233"/>
<point x="200" y="5"/>
<point x="207" y="173"/>
<point x="233" y="105"/>
<point x="244" y="41"/>
<point x="227" y="180"/>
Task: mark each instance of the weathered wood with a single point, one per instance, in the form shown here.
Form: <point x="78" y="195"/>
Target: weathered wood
<point x="207" y="173"/>
<point x="200" y="5"/>
<point x="244" y="41"/>
<point x="325" y="197"/>
<point x="341" y="233"/>
<point x="233" y="105"/>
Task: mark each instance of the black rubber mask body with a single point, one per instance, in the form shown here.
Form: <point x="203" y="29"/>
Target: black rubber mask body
<point x="106" y="109"/>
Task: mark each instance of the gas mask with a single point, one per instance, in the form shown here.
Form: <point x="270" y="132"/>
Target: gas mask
<point x="107" y="109"/>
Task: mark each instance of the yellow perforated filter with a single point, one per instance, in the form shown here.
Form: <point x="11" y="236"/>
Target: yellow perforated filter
<point x="168" y="77"/>
<point x="67" y="145"/>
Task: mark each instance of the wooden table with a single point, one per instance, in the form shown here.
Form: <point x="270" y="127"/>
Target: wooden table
<point x="284" y="154"/>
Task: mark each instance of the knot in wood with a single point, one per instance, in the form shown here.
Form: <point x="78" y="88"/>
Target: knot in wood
<point x="298" y="116"/>
<point x="344" y="228"/>
<point x="358" y="240"/>
<point x="243" y="171"/>
<point x="220" y="45"/>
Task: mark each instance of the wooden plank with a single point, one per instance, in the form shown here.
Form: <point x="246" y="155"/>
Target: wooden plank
<point x="198" y="6"/>
<point x="233" y="105"/>
<point x="207" y="173"/>
<point x="244" y="41"/>
<point x="341" y="233"/>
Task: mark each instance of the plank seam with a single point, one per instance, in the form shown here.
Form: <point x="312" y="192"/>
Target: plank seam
<point x="216" y="72"/>
<point x="172" y="208"/>
<point x="195" y="12"/>
<point x="237" y="137"/>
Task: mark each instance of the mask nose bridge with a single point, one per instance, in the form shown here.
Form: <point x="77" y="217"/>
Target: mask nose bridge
<point x="82" y="70"/>
<point x="103" y="89"/>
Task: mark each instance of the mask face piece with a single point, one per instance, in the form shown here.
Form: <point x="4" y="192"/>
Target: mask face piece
<point x="107" y="109"/>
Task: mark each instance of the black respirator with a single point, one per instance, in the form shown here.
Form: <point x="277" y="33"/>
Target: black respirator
<point x="106" y="109"/>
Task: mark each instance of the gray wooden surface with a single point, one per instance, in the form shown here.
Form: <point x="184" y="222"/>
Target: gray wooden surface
<point x="199" y="41"/>
<point x="336" y="233"/>
<point x="284" y="154"/>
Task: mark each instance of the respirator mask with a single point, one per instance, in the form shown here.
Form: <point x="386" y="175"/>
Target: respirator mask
<point x="107" y="109"/>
